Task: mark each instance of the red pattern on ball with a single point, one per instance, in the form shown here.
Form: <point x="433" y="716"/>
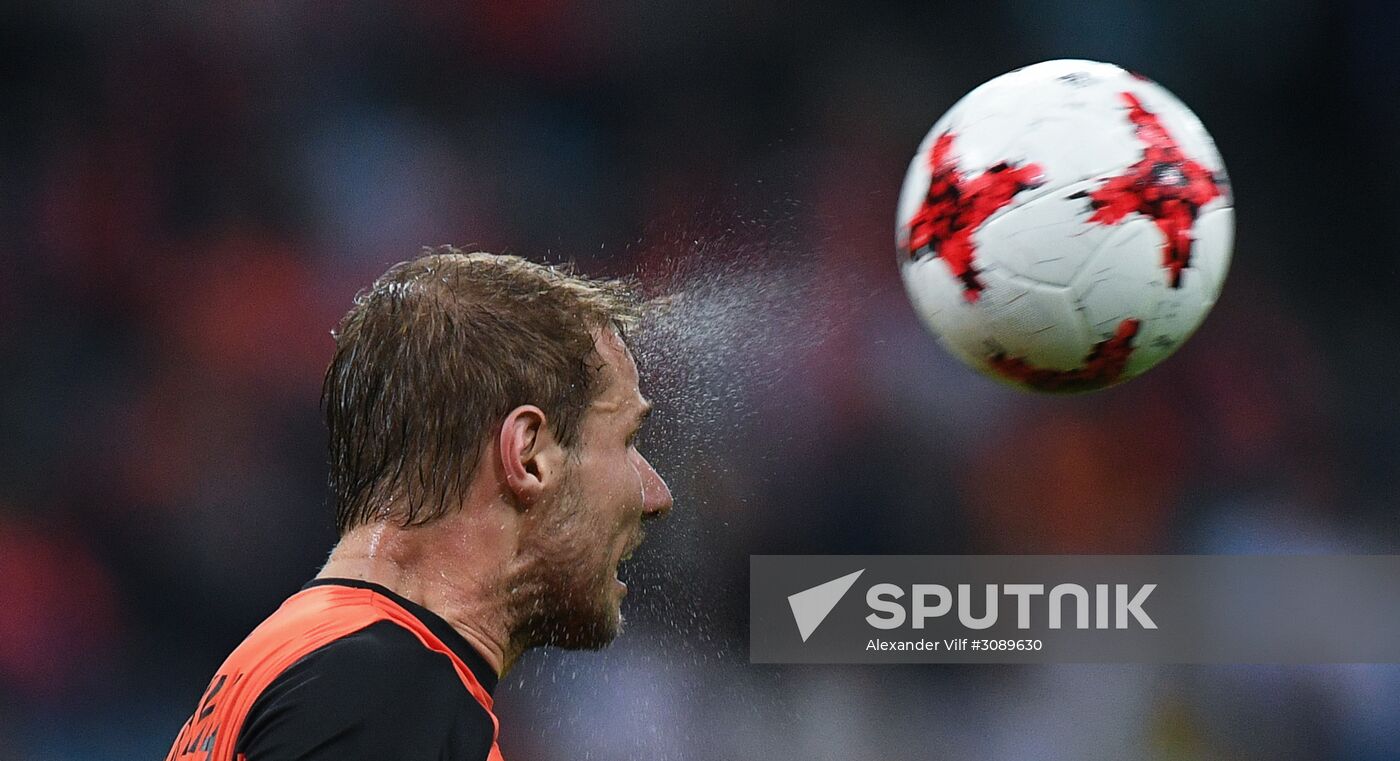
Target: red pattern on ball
<point x="1103" y="367"/>
<point x="1164" y="185"/>
<point x="955" y="206"/>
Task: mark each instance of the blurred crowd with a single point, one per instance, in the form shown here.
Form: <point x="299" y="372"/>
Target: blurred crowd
<point x="193" y="193"/>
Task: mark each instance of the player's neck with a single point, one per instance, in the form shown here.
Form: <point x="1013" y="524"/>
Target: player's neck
<point x="406" y="562"/>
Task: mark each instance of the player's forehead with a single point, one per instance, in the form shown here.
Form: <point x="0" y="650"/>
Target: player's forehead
<point x="620" y="382"/>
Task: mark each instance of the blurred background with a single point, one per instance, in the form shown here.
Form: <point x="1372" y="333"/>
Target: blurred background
<point x="192" y="194"/>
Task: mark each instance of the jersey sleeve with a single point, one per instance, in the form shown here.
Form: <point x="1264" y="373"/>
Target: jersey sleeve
<point x="376" y="694"/>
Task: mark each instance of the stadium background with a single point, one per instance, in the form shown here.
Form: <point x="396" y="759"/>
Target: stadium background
<point x="193" y="193"/>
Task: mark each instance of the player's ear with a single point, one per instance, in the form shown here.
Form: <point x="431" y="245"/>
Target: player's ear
<point x="530" y="455"/>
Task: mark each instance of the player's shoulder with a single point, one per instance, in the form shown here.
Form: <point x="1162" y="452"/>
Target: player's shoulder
<point x="382" y="657"/>
<point x="378" y="691"/>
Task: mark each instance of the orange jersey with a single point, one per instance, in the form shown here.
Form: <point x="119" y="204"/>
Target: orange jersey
<point x="346" y="669"/>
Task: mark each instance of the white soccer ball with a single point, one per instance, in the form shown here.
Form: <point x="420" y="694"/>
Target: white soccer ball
<point x="1066" y="226"/>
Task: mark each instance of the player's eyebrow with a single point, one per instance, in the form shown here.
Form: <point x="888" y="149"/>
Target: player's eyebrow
<point x="644" y="412"/>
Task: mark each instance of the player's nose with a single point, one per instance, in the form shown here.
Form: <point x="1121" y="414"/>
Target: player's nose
<point x="656" y="495"/>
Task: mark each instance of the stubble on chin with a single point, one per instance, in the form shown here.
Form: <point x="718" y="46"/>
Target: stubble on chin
<point x="555" y="610"/>
<point x="554" y="599"/>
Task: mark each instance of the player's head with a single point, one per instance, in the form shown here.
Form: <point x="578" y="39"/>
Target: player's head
<point x="571" y="596"/>
<point x="459" y="374"/>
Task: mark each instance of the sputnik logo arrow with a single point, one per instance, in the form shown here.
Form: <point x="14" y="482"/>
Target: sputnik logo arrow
<point x="811" y="606"/>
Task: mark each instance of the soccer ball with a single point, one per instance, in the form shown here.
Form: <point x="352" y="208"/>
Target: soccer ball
<point x="1065" y="227"/>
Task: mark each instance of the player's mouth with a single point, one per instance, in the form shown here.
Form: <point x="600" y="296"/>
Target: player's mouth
<point x="626" y="556"/>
